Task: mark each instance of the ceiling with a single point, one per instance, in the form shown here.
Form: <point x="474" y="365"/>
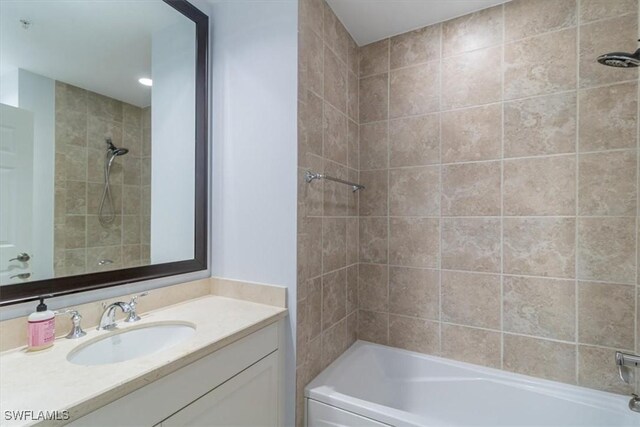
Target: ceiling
<point x="102" y="46"/>
<point x="371" y="20"/>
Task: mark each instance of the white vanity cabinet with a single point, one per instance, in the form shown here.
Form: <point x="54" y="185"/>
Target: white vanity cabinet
<point x="216" y="390"/>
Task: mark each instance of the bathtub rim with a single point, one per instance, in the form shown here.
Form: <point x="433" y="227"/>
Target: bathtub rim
<point x="318" y="389"/>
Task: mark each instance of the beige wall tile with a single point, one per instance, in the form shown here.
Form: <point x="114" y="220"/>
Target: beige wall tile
<point x="471" y="189"/>
<point x="526" y="18"/>
<point x="311" y="58"/>
<point x="334" y="342"/>
<point x="414" y="242"/>
<point x="352" y="289"/>
<point x="414" y="292"/>
<point x="471" y="299"/>
<point x="414" y="334"/>
<point x="76" y="198"/>
<point x="596" y="370"/>
<point x="414" y="90"/>
<point x="607" y="184"/>
<point x="373" y="201"/>
<point x="335" y="35"/>
<point x="606" y="249"/>
<point x="591" y="10"/>
<point x="374" y="98"/>
<point x="540" y="186"/>
<point x="477" y="346"/>
<point x="335" y="131"/>
<point x="335" y="194"/>
<point x="71" y="127"/>
<point x="373" y="287"/>
<point x="540" y="65"/>
<point x="414" y="191"/>
<point x="608" y="117"/>
<point x="374" y="58"/>
<point x="597" y="39"/>
<point x="606" y="314"/>
<point x="309" y="248"/>
<point x="75" y="231"/>
<point x="353" y="60"/>
<point x="104" y="107"/>
<point x="334" y="304"/>
<point x="540" y="358"/>
<point x="471" y="78"/>
<point x="314" y="304"/>
<point x="472" y="134"/>
<point x="540" y="246"/>
<point x="334" y="243"/>
<point x="373" y="326"/>
<point x="352" y="241"/>
<point x="415" y="141"/>
<point x="374" y="145"/>
<point x="373" y="239"/>
<point x="473" y="31"/>
<point x="101" y="235"/>
<point x="471" y="244"/>
<point x="352" y="96"/>
<point x="335" y="80"/>
<point x="540" y="307"/>
<point x="353" y="150"/>
<point x="542" y="125"/>
<point x="415" y="47"/>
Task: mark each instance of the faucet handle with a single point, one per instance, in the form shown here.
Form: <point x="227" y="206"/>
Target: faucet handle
<point x="133" y="316"/>
<point x="76" y="330"/>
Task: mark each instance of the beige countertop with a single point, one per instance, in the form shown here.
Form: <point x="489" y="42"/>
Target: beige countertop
<point x="46" y="381"/>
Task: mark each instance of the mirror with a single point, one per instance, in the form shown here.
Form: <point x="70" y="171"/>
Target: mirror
<point x="102" y="123"/>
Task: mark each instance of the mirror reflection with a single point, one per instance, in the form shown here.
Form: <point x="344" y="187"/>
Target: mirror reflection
<point x="97" y="137"/>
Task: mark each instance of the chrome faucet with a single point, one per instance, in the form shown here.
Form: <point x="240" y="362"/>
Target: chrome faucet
<point x="626" y="363"/>
<point x="108" y="319"/>
<point x="76" y="330"/>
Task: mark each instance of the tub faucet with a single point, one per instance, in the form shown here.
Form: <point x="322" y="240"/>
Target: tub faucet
<point x="626" y="362"/>
<point x="108" y="319"/>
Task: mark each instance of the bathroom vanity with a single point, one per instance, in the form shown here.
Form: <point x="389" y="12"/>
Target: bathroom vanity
<point x="232" y="359"/>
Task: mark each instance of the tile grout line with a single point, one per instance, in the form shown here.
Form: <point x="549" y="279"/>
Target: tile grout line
<point x="440" y="222"/>
<point x="576" y="266"/>
<point x="388" y="188"/>
<point x="502" y="79"/>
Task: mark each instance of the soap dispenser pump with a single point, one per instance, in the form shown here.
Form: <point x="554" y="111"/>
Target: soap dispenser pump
<point x="41" y="330"/>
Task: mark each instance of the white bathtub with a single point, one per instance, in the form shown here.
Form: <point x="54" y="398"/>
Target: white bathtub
<point x="375" y="385"/>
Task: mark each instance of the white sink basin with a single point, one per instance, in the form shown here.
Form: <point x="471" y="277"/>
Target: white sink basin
<point x="131" y="343"/>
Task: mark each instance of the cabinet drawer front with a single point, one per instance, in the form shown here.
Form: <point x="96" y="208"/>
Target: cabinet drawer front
<point x="321" y="415"/>
<point x="155" y="402"/>
<point x="248" y="399"/>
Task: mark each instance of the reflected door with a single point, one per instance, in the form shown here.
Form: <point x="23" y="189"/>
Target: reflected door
<point x="16" y="182"/>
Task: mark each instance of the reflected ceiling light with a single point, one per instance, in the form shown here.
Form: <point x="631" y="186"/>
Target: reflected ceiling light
<point x="145" y="81"/>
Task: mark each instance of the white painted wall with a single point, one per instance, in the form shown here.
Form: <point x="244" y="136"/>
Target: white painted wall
<point x="173" y="147"/>
<point x="9" y="88"/>
<point x="254" y="125"/>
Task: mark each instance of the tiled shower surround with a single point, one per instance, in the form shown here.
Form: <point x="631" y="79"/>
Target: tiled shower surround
<point x="83" y="120"/>
<point x="499" y="221"/>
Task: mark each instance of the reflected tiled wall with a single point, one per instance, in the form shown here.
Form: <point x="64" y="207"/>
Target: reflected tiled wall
<point x="83" y="120"/>
<point x="499" y="222"/>
<point x="327" y="212"/>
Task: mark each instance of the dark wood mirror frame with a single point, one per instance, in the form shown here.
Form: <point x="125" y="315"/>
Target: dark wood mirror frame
<point x="30" y="291"/>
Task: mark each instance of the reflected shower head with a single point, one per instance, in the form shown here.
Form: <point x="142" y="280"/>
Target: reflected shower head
<point x="620" y="59"/>
<point x="115" y="151"/>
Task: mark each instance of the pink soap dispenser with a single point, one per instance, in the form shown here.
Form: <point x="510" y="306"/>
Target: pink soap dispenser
<point x="41" y="328"/>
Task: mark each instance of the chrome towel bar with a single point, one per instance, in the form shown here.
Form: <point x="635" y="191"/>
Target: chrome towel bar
<point x="310" y="176"/>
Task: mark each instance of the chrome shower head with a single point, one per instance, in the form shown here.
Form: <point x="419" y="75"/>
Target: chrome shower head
<point x="620" y="59"/>
<point x="115" y="151"/>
